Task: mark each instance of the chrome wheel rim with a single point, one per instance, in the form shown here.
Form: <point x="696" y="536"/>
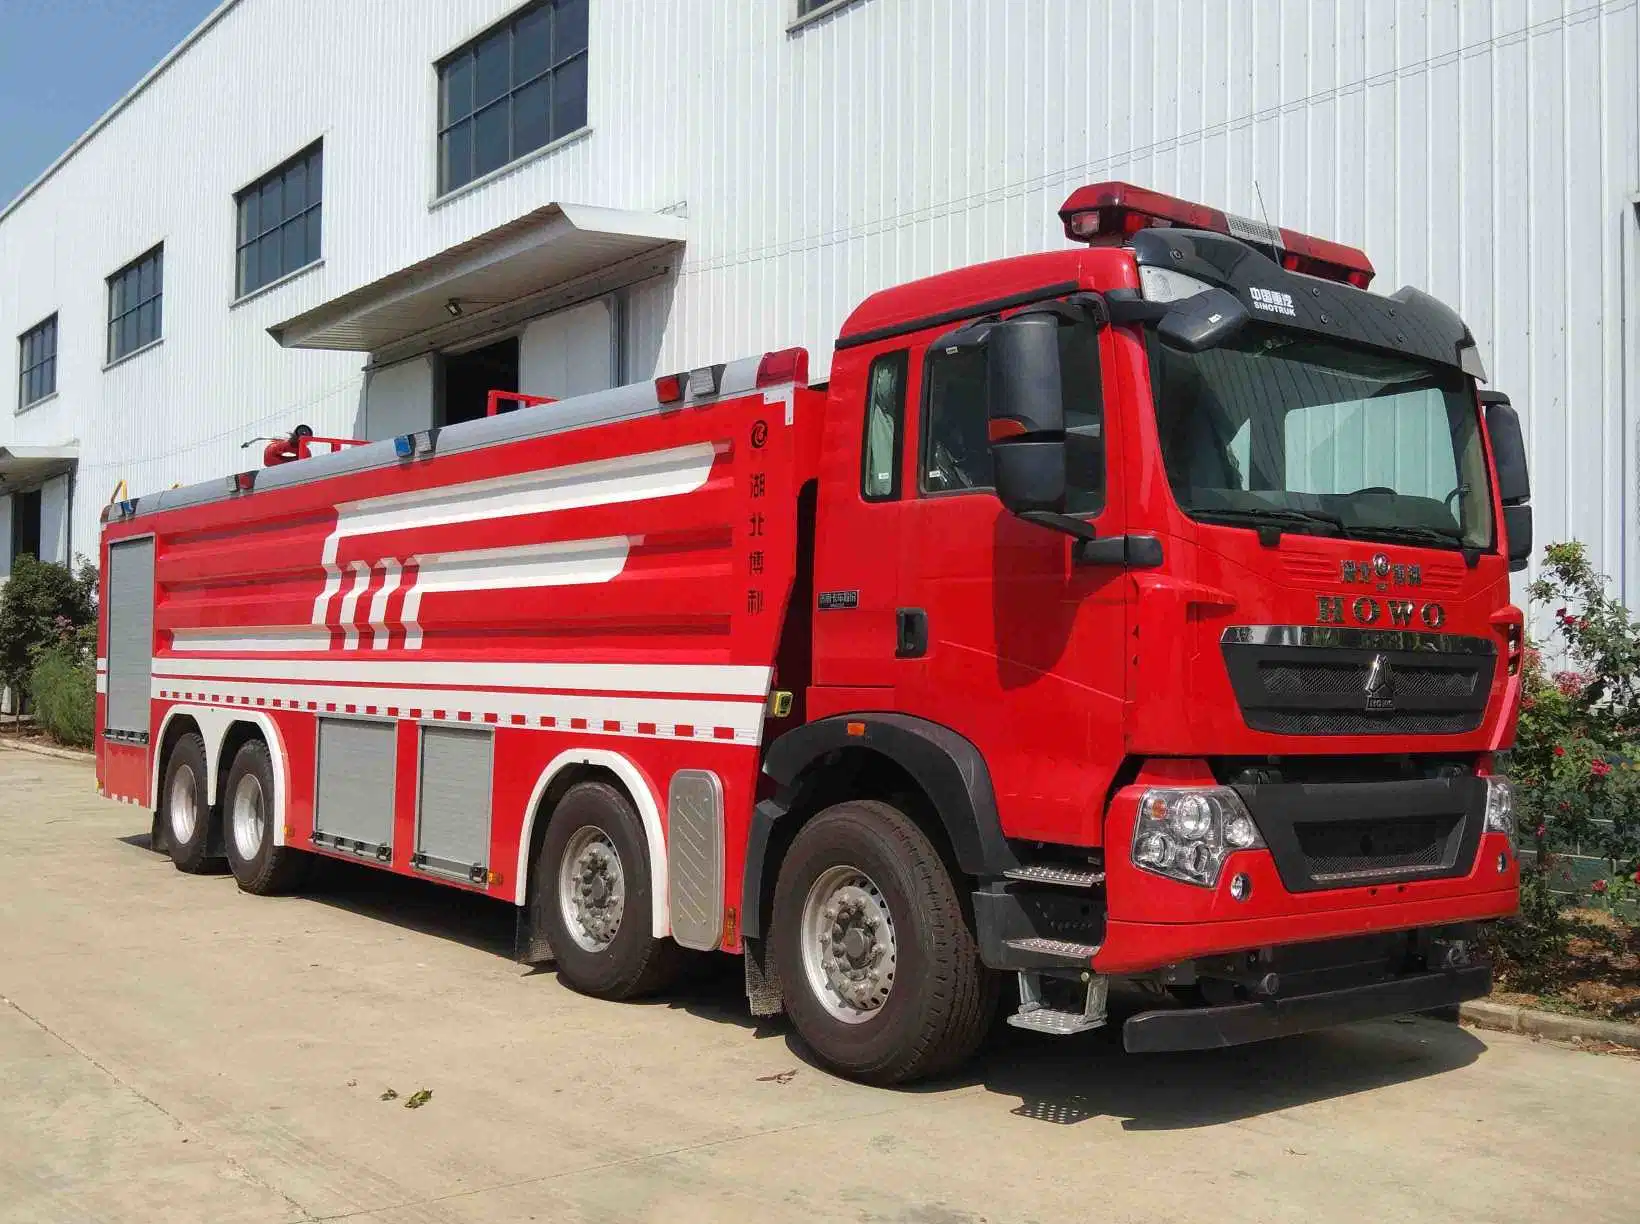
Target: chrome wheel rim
<point x="850" y="952"/>
<point x="591" y="889"/>
<point x="250" y="823"/>
<point x="180" y="805"/>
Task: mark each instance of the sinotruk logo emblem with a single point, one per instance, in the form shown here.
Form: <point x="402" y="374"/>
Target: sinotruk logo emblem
<point x="1380" y="685"/>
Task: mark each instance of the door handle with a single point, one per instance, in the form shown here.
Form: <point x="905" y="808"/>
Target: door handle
<point x="910" y="633"/>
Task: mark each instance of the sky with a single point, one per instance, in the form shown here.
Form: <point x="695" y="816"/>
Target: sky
<point x="64" y="62"/>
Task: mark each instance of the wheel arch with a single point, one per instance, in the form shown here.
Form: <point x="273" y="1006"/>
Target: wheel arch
<point x="578" y="764"/>
<point x="223" y="732"/>
<point x="871" y="756"/>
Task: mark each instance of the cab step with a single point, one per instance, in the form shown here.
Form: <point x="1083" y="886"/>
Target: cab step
<point x="1054" y="952"/>
<point x="1052" y="873"/>
<point x="1039" y="1017"/>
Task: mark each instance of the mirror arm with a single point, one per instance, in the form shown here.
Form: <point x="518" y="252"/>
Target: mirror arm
<point x="1126" y="306"/>
<point x="1130" y="551"/>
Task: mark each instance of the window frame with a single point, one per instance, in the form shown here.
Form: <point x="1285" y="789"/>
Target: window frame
<point x="134" y="268"/>
<point x="901" y="357"/>
<point x="24" y="369"/>
<point x="311" y="155"/>
<point x="935" y="350"/>
<point x="443" y="125"/>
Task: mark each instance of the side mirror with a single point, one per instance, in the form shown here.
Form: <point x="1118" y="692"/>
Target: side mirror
<point x="1517" y="529"/>
<point x="1027" y="413"/>
<point x="1508" y="449"/>
<point x="1204" y="321"/>
<point x="1514" y="483"/>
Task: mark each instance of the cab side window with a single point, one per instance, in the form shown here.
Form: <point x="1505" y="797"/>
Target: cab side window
<point x="956" y="451"/>
<point x="884" y="427"/>
<point x="956" y="443"/>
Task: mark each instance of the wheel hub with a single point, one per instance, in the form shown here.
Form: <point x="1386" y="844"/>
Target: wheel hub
<point x="849" y="950"/>
<point x="184" y="814"/>
<point x="249" y="819"/>
<point x="592" y="889"/>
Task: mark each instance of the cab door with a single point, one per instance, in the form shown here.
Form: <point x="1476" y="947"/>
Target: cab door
<point x="860" y="522"/>
<point x="1025" y="648"/>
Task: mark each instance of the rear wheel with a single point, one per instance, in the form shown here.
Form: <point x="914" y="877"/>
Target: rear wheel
<point x="185" y="808"/>
<point x="592" y="897"/>
<point x="247" y="816"/>
<point x="878" y="967"/>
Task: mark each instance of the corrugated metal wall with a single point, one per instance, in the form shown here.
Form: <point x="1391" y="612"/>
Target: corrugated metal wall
<point x="1487" y="151"/>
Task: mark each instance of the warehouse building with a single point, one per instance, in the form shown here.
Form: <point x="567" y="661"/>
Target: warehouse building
<point x="364" y="216"/>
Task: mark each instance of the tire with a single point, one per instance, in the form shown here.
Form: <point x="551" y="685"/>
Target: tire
<point x="185" y="809"/>
<point x="921" y="1000"/>
<point x="596" y="834"/>
<point x="247" y="826"/>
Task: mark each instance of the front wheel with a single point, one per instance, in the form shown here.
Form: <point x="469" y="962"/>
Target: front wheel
<point x="878" y="967"/>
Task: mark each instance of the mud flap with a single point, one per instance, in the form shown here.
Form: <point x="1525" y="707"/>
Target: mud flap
<point x="530" y="946"/>
<point x="156" y="835"/>
<point x="762" y="982"/>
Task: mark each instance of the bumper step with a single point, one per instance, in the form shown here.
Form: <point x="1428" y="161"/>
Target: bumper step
<point x="1040" y="1017"/>
<point x="1054" y="1022"/>
<point x="1064" y="877"/>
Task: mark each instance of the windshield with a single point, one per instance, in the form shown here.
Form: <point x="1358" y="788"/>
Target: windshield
<point x="1317" y="435"/>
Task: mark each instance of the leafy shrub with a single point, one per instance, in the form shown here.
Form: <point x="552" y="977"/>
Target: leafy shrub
<point x="63" y="688"/>
<point x="44" y="607"/>
<point x="1576" y="760"/>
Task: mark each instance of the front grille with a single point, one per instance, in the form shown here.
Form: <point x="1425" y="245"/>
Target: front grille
<point x="1299" y="722"/>
<point x="1416" y="685"/>
<point x="1344" y="850"/>
<point x="1326" y="835"/>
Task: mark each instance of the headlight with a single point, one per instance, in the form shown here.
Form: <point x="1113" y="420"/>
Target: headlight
<point x="1186" y="832"/>
<point x="1500" y="806"/>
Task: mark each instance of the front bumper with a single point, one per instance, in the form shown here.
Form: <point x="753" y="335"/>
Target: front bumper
<point x="1211" y="1028"/>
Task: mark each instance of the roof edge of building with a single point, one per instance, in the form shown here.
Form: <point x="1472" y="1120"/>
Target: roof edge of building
<point x="125" y="100"/>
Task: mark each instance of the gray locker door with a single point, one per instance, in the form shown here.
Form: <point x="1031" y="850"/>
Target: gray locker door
<point x="354" y="808"/>
<point x="453" y="820"/>
<point x="130" y="637"/>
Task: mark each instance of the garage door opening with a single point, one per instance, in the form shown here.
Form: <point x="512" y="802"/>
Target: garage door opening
<point x="466" y="380"/>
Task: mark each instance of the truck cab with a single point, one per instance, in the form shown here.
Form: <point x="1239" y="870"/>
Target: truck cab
<point x="1199" y="552"/>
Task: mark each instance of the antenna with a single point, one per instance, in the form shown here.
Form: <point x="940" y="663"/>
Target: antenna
<point x="1263" y="211"/>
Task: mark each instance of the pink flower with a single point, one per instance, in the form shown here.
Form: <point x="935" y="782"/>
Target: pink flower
<point x="1570" y="683"/>
<point x="1598" y="886"/>
<point x="1542" y="829"/>
<point x="1599" y="768"/>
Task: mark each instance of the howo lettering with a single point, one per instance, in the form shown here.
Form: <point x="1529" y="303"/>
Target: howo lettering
<point x="1135" y="614"/>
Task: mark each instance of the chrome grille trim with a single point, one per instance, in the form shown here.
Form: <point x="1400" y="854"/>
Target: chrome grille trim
<point x="1332" y="637"/>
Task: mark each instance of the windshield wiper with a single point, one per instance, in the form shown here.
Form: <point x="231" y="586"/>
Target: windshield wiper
<point x="1259" y="517"/>
<point x="1410" y="531"/>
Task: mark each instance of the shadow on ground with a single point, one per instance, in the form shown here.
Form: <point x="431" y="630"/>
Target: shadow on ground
<point x="1059" y="1081"/>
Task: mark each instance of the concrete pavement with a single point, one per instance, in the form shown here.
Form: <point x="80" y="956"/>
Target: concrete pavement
<point x="171" y="1049"/>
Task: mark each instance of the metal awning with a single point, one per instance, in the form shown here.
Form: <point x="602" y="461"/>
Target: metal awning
<point x="22" y="465"/>
<point x="548" y="248"/>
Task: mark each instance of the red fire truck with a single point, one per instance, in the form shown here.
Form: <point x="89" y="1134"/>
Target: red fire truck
<point x="1131" y="613"/>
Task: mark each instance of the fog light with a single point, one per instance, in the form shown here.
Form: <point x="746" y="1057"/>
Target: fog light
<point x="1240" y="886"/>
<point x="1503" y="863"/>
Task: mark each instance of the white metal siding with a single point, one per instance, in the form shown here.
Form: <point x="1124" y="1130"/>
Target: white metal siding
<point x="1484" y="150"/>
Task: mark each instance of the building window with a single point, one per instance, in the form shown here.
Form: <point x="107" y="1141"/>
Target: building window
<point x="135" y="299"/>
<point x="519" y="86"/>
<point x="37" y="375"/>
<point x="279" y="221"/>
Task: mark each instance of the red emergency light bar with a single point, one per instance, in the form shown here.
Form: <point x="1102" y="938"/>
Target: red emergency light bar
<point x="1107" y="213"/>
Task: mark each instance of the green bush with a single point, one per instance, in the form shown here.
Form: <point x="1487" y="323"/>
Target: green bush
<point x="63" y="688"/>
<point x="44" y="605"/>
<point x="1576" y="760"/>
